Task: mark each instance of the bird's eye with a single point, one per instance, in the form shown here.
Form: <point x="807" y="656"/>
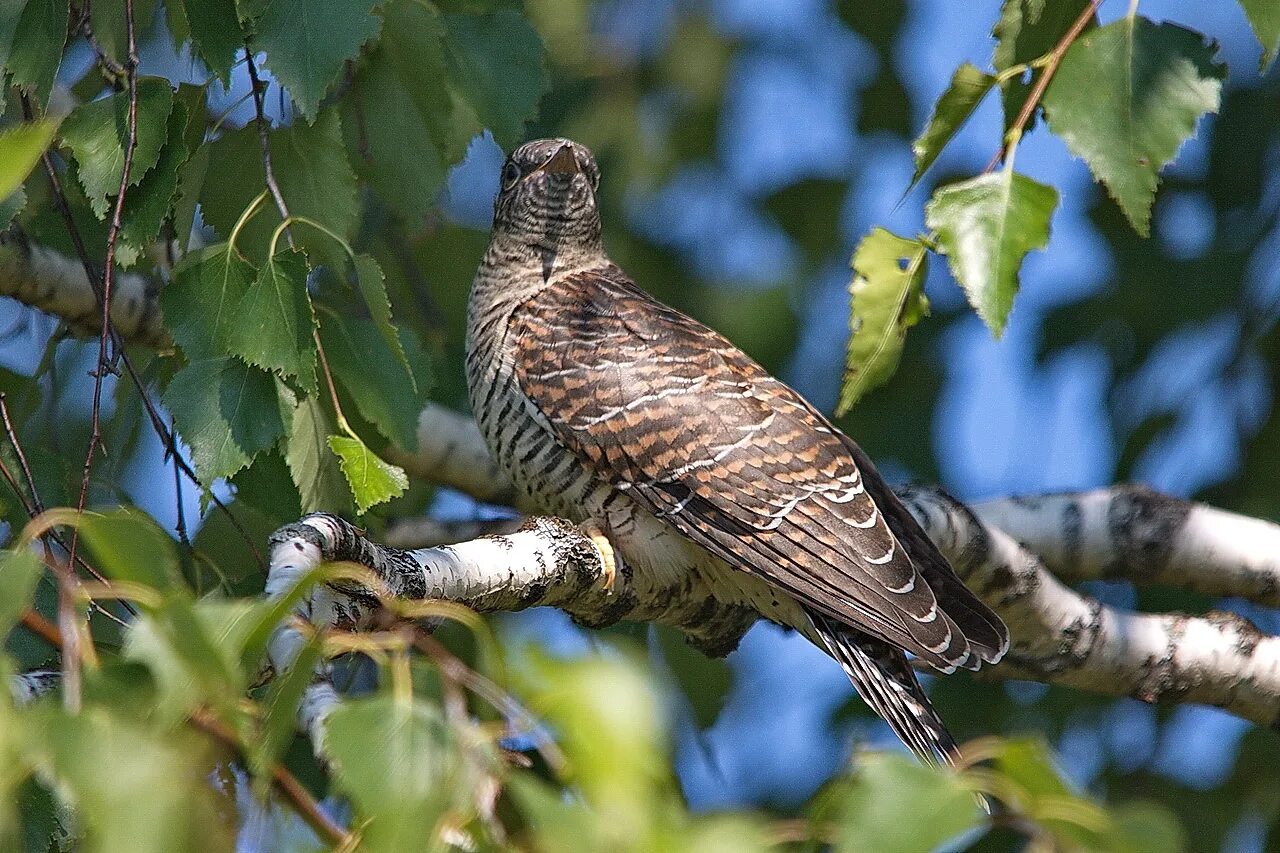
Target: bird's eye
<point x="510" y="174"/>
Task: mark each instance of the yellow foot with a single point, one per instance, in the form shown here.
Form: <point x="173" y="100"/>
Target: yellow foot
<point x="608" y="556"/>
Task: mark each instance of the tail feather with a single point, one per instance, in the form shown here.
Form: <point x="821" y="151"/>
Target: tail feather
<point x="885" y="680"/>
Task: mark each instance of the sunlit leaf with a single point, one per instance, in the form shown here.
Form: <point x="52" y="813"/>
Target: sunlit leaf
<point x="894" y="803"/>
<point x="128" y="545"/>
<point x="19" y="572"/>
<point x="20" y="150"/>
<point x="372" y="480"/>
<point x="887" y="298"/>
<point x="986" y="226"/>
<point x="398" y="763"/>
<point x="1264" y="17"/>
<point x="1126" y="97"/>
<point x="968" y="87"/>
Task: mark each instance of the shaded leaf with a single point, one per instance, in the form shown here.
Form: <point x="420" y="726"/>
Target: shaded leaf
<point x="227" y="412"/>
<point x="704" y="681"/>
<point x="310" y="165"/>
<point x="986" y="226"/>
<point x="968" y="87"/>
<point x="1126" y="97"/>
<point x="149" y="204"/>
<point x="886" y="298"/>
<point x="20" y="150"/>
<point x="482" y="51"/>
<point x="35" y="49"/>
<point x="1025" y="31"/>
<point x="372" y="480"/>
<point x="98" y="131"/>
<point x="19" y="572"/>
<point x="373" y="288"/>
<point x="201" y="304"/>
<point x="400" y="102"/>
<point x="382" y="388"/>
<point x="216" y="36"/>
<point x="307" y="42"/>
<point x="274" y="321"/>
<point x="397" y="762"/>
<point x="314" y="468"/>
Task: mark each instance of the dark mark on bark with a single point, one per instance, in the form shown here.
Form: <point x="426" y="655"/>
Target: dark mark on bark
<point x="1142" y="524"/>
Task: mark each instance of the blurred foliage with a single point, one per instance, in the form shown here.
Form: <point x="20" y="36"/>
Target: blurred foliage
<point x="379" y="102"/>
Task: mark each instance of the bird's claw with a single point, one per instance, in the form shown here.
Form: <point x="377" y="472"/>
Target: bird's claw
<point x="608" y="556"/>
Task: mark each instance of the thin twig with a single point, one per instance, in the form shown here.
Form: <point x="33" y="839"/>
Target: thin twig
<point x="273" y="188"/>
<point x="1042" y="83"/>
<point x="66" y="587"/>
<point x="284" y="781"/>
<point x="157" y="424"/>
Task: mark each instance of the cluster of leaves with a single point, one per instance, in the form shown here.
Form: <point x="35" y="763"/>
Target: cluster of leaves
<point x="1123" y="97"/>
<point x="417" y="766"/>
<point x="272" y="357"/>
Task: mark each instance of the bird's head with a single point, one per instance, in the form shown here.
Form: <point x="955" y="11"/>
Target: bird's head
<point x="548" y="195"/>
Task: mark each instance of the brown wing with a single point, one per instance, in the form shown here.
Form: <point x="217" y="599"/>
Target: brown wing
<point x="670" y="412"/>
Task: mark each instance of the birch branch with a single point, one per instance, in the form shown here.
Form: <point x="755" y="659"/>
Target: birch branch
<point x="1136" y="534"/>
<point x="1059" y="636"/>
<point x="57" y="284"/>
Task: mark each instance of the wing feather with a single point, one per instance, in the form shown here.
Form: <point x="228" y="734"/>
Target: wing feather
<point x="690" y="427"/>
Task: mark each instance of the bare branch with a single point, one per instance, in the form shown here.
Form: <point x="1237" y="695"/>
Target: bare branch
<point x="1136" y="534"/>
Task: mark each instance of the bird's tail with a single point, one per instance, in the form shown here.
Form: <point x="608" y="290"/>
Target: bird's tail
<point x="885" y="680"/>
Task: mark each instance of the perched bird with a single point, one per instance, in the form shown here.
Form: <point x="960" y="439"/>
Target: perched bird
<point x="607" y="407"/>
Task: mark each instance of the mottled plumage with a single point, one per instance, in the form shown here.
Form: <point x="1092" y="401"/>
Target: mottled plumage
<point x="604" y="404"/>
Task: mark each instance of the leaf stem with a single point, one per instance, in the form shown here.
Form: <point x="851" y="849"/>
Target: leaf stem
<point x="1051" y="62"/>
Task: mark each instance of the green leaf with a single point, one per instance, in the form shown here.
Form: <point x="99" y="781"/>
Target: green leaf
<point x="35" y="50"/>
<point x="150" y="203"/>
<point x="383" y="390"/>
<point x="19" y="572"/>
<point x="397" y="762"/>
<point x="135" y="790"/>
<point x="886" y="298"/>
<point x="483" y="50"/>
<point x="274" y="324"/>
<point x="373" y="288"/>
<point x="968" y="87"/>
<point x="227" y="412"/>
<point x="307" y="42"/>
<point x="20" y="150"/>
<point x="216" y="36"/>
<point x="1126" y="97"/>
<point x="310" y="165"/>
<point x="128" y="545"/>
<point x="1264" y="17"/>
<point x="894" y="803"/>
<point x="1027" y="30"/>
<point x="372" y="480"/>
<point x="314" y="468"/>
<point x="986" y="226"/>
<point x="12" y="206"/>
<point x="201" y="303"/>
<point x="400" y="101"/>
<point x="98" y="131"/>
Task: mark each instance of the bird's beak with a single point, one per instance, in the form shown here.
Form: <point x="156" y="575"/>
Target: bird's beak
<point x="562" y="162"/>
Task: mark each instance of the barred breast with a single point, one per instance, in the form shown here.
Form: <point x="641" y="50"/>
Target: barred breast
<point x="515" y="432"/>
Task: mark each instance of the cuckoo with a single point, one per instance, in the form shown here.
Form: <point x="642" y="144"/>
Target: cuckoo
<point x="607" y="407"/>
